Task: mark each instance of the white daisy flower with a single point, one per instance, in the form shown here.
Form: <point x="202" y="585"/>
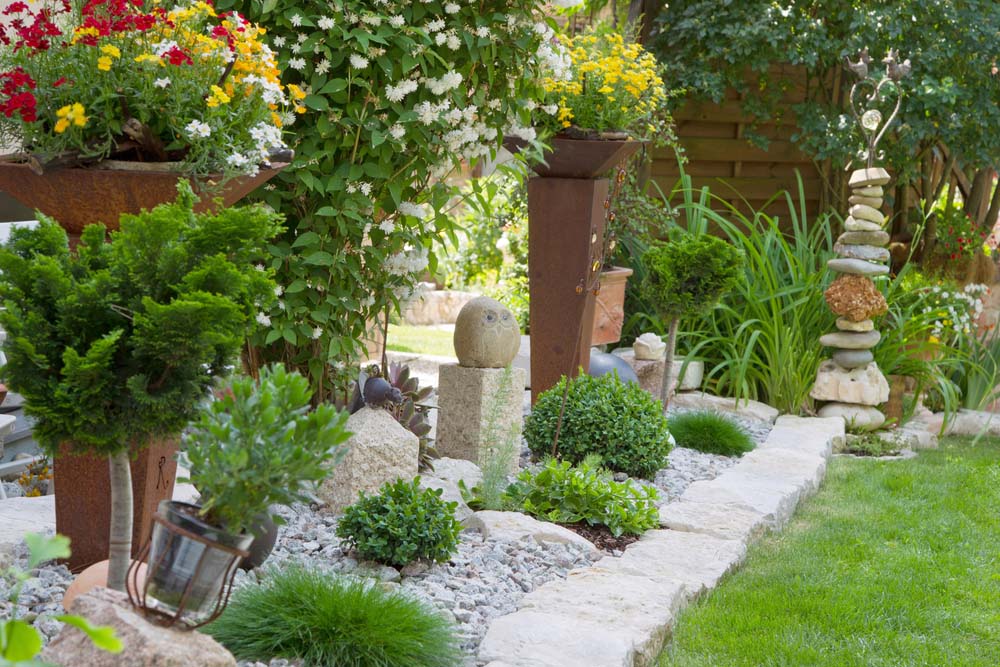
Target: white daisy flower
<point x="296" y="20"/>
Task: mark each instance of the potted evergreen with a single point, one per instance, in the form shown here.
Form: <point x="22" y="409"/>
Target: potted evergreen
<point x="256" y="445"/>
<point x="685" y="278"/>
<point x="115" y="345"/>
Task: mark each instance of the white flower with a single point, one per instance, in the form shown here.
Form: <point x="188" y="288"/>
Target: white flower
<point x="263" y="319"/>
<point x="397" y="131"/>
<point x="301" y="37"/>
<point x="372" y="20"/>
<point x="368" y="301"/>
<point x="296" y="48"/>
<point x="387" y="226"/>
<point x="397" y="21"/>
<point x="323" y="67"/>
<point x="412" y="210"/>
<point x="325" y="23"/>
<point x="448" y="81"/>
<point x="452" y="8"/>
<point x="435" y="25"/>
<point x="482" y="31"/>
<point x="259" y="267"/>
<point x="550" y="109"/>
<point x="278" y="41"/>
<point x="503" y="243"/>
<point x="296" y="20"/>
<point x="566" y="4"/>
<point x="278" y="290"/>
<point x="365" y="187"/>
<point x="317" y="332"/>
<point x="237" y="160"/>
<point x="358" y="62"/>
<point x="162" y="83"/>
<point x="453" y="41"/>
<point x="198" y="130"/>
<point x="297" y="63"/>
<point x="398" y="92"/>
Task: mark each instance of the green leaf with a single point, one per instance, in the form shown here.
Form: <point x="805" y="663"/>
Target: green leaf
<point x="334" y="86"/>
<point x="103" y="636"/>
<point x="316" y="102"/>
<point x="43" y="548"/>
<point x="20" y="641"/>
<point x="320" y="258"/>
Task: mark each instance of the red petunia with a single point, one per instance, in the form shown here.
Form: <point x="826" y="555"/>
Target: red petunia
<point x="60" y="81"/>
<point x="15" y="8"/>
<point x="176" y="56"/>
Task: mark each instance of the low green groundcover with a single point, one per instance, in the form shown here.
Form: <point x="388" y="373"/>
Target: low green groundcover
<point x="893" y="564"/>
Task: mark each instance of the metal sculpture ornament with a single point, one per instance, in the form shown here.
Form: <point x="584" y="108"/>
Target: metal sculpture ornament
<point x="874" y="89"/>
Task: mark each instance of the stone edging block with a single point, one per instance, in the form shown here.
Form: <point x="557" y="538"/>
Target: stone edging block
<point x="618" y="612"/>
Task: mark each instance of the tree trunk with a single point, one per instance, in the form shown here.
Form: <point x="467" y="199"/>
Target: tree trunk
<point x="668" y="365"/>
<point x="120" y="551"/>
<point x="994" y="211"/>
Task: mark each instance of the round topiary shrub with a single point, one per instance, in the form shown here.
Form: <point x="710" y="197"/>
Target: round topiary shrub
<point x="711" y="433"/>
<point x="617" y="421"/>
<point x="401" y="524"/>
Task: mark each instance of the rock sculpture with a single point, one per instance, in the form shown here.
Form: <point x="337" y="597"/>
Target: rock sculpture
<point x="486" y="334"/>
<point x="649" y="347"/>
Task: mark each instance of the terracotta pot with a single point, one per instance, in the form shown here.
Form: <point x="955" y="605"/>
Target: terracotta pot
<point x="83" y="498"/>
<point x="609" y="310"/>
<point x="893" y="409"/>
<point x="79" y="196"/>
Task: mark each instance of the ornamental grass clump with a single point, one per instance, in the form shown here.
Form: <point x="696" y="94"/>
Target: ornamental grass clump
<point x="326" y="620"/>
<point x="618" y="421"/>
<point x="154" y="82"/>
<point x="401" y="524"/>
<point x="613" y="86"/>
<point x="710" y="432"/>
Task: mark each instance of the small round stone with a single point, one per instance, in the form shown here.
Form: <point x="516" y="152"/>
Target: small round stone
<point x="486" y="334"/>
<point x="874" y="191"/>
<point x="845" y="324"/>
<point x="874" y="202"/>
<point x="861" y="178"/>
<point x="853" y="358"/>
<point x="858" y="417"/>
<point x="866" y="252"/>
<point x="851" y="341"/>
<point x="854" y="225"/>
<point x="879" y="238"/>
<point x="862" y="212"/>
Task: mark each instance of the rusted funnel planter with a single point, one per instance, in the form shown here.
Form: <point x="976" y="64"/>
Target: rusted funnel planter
<point x="609" y="310"/>
<point x="566" y="217"/>
<point x="76" y="197"/>
<point x="79" y="196"/>
<point x="83" y="498"/>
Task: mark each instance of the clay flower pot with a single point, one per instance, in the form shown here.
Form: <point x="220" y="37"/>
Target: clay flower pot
<point x="609" y="309"/>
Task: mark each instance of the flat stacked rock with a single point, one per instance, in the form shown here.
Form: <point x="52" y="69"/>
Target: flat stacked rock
<point x="851" y="380"/>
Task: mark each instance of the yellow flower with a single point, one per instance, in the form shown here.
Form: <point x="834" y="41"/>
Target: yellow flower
<point x="149" y="58"/>
<point x="104" y="63"/>
<point x="217" y="96"/>
<point x="276" y="119"/>
<point x="111" y="50"/>
<point x="299" y="108"/>
<point x="297" y="93"/>
<point x="70" y="114"/>
<point x="81" y="32"/>
<point x="987" y="250"/>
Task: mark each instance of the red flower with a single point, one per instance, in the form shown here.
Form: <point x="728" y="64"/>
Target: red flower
<point x="15" y="8"/>
<point x="60" y="81"/>
<point x="175" y="56"/>
<point x="23" y="103"/>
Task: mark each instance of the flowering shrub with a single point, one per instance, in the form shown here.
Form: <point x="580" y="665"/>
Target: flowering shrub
<point x="398" y="93"/>
<point x="957" y="234"/>
<point x="119" y="78"/>
<point x="613" y="85"/>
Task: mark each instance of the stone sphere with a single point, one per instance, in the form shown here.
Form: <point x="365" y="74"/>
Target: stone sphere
<point x="486" y="334"/>
<point x="602" y="363"/>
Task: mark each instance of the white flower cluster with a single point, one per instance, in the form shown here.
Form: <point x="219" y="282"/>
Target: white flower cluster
<point x="448" y="81"/>
<point x="407" y="262"/>
<point x="956" y="311"/>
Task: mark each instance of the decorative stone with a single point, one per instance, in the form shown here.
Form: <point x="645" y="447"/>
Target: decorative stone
<point x="805" y="434"/>
<point x="874" y="202"/>
<point x="469" y="399"/>
<point x="862" y="212"/>
<point x="864" y="385"/>
<point x="725" y="520"/>
<point x="851" y="341"/>
<point x="874" y="191"/>
<point x="853" y="225"/>
<point x="514" y="527"/>
<point x="649" y="347"/>
<point x="146" y="644"/>
<point x="457" y="470"/>
<point x="700" y="400"/>
<point x="847" y="325"/>
<point x="380" y="451"/>
<point x="853" y="358"/>
<point x="855" y="298"/>
<point x="450" y="493"/>
<point x="879" y="238"/>
<point x="865" y="252"/>
<point x="486" y="334"/>
<point x="862" y="178"/>
<point x="650" y="373"/>
<point x="857" y="266"/>
<point x="857" y="417"/>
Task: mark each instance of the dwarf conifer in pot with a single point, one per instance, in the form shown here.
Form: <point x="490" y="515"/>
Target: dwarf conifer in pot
<point x="118" y="342"/>
<point x="258" y="444"/>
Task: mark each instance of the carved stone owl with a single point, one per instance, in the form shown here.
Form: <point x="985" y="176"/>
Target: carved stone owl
<point x="486" y="334"/>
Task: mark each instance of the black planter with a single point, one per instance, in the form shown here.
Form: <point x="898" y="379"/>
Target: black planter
<point x="265" y="536"/>
<point x="190" y="565"/>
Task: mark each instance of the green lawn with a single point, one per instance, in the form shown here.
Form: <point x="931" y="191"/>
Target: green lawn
<point x="893" y="563"/>
<point x="421" y="340"/>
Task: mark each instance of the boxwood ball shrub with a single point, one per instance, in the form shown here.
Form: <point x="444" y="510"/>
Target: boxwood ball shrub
<point x="617" y="421"/>
<point x="401" y="524"/>
<point x="710" y="432"/>
<point x="324" y="620"/>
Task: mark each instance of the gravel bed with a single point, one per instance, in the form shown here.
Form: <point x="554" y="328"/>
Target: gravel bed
<point x="41" y="597"/>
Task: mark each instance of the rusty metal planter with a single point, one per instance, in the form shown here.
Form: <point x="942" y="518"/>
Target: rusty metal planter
<point x="83" y="497"/>
<point x="79" y="196"/>
<point x="566" y="218"/>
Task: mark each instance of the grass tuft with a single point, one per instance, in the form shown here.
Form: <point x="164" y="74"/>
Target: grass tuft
<point x="327" y="620"/>
<point x="711" y="433"/>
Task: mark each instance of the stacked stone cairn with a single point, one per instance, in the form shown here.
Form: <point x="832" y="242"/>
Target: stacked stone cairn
<point x="851" y="380"/>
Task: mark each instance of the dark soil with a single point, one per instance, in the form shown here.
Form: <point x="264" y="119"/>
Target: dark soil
<point x="601" y="536"/>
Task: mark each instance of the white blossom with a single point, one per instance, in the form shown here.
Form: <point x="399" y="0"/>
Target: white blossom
<point x="323" y="66"/>
<point x="263" y="319"/>
<point x="358" y="62"/>
<point x="397" y="131"/>
<point x="198" y="130"/>
<point x="397" y="21"/>
<point x="297" y="63"/>
<point x="387" y="226"/>
<point x="326" y="23"/>
<point x="278" y="41"/>
<point x="412" y="210"/>
<point x="452" y="8"/>
<point x="296" y="20"/>
<point x="162" y="82"/>
<point x="317" y="332"/>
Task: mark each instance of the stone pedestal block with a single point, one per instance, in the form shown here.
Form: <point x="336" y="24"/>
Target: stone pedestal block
<point x="380" y="451"/>
<point x="479" y="408"/>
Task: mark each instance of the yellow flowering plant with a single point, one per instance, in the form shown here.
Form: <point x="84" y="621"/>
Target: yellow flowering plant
<point x="143" y="80"/>
<point x="612" y="86"/>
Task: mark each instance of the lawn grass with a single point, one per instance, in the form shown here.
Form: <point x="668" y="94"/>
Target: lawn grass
<point x="893" y="563"/>
<point x="421" y="340"/>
